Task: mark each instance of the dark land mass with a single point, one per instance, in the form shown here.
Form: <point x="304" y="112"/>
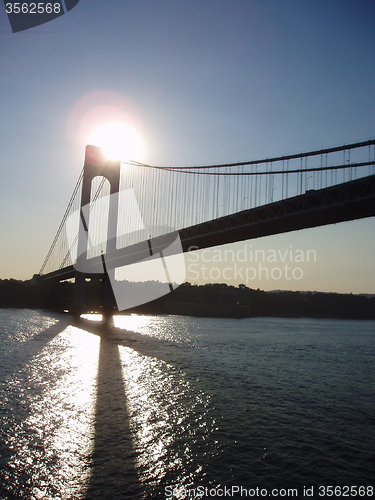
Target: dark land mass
<point x="210" y="300"/>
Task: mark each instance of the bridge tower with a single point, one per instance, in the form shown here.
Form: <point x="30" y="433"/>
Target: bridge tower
<point x="96" y="164"/>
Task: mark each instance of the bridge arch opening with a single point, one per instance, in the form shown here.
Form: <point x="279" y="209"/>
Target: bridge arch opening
<point x="99" y="214"/>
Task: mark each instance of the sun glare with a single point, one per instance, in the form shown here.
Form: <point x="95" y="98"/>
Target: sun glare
<point x="118" y="141"/>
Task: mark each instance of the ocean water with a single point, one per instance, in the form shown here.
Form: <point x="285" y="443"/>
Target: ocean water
<point x="147" y="407"/>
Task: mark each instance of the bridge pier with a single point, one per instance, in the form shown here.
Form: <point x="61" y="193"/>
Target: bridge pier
<point x="79" y="293"/>
<point x="35" y="280"/>
<point x="106" y="297"/>
<point x="108" y="300"/>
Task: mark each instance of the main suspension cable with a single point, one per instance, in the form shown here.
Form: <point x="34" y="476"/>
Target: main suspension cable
<point x="356" y="145"/>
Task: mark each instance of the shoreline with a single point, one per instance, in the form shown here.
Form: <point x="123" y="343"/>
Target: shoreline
<point x="210" y="300"/>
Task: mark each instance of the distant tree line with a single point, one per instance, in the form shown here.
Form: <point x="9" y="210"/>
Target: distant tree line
<point x="219" y="300"/>
<point x="247" y="302"/>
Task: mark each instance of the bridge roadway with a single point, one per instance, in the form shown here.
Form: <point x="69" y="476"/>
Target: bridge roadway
<point x="344" y="202"/>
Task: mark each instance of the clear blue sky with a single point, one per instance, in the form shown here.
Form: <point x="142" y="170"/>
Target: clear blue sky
<point x="204" y="82"/>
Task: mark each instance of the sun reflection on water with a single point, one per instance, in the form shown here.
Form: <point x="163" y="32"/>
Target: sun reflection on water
<point x="170" y="419"/>
<point x="51" y="437"/>
<point x="92" y="317"/>
<point x="133" y="322"/>
<point x="160" y="327"/>
<point x="56" y="440"/>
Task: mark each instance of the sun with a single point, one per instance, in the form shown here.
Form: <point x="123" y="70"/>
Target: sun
<point x="118" y="141"/>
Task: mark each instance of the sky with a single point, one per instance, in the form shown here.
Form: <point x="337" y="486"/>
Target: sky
<point x="202" y="83"/>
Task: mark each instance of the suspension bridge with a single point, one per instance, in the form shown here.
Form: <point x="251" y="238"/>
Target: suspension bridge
<point x="134" y="210"/>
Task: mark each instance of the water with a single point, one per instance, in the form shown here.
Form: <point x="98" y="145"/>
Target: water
<point x="163" y="407"/>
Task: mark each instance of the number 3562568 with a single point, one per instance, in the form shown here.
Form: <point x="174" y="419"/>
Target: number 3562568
<point x="33" y="8"/>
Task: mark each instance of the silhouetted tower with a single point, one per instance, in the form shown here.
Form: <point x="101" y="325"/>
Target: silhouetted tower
<point x="96" y="164"/>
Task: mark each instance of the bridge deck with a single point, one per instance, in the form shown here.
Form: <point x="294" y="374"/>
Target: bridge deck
<point x="344" y="202"/>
